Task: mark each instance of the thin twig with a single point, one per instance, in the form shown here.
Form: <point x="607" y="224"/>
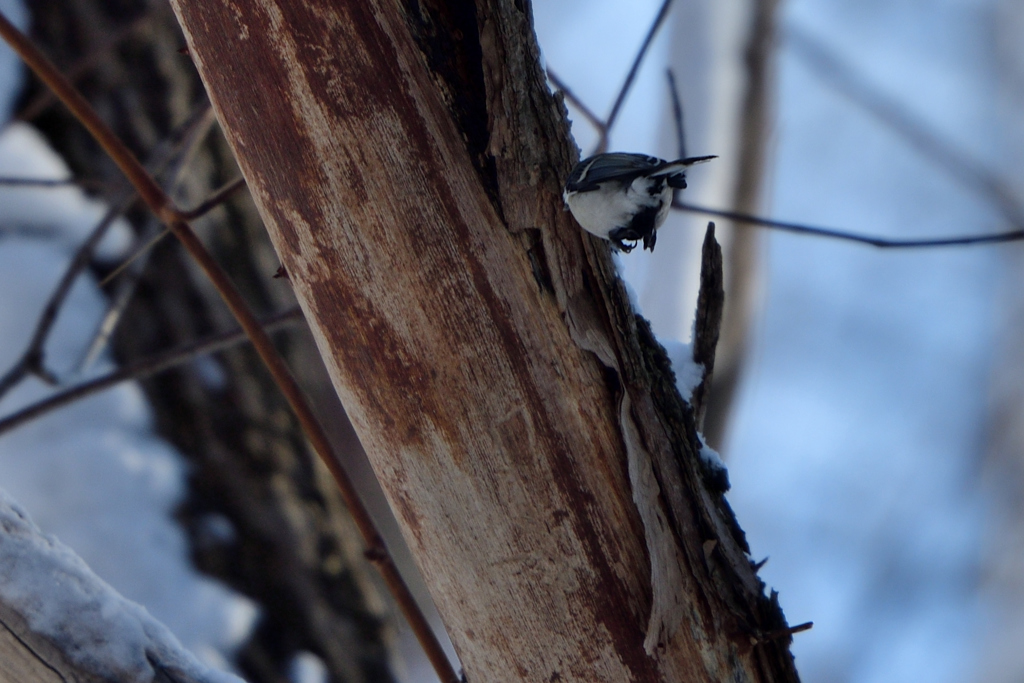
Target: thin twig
<point x="604" y="126"/>
<point x="122" y="296"/>
<point x="46" y="99"/>
<point x="140" y="257"/>
<point x="602" y="145"/>
<point x="196" y="128"/>
<point x="589" y="115"/>
<point x="152" y="234"/>
<point x="143" y="369"/>
<point x="191" y="134"/>
<point x="215" y="199"/>
<point x="781" y="633"/>
<point x="32" y="360"/>
<point x="84" y="183"/>
<point x="677" y="113"/>
<point x="961" y="166"/>
<point x="881" y="242"/>
<point x="161" y="205"/>
<point x="151" y="241"/>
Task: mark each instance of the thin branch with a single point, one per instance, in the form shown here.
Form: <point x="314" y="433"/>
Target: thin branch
<point x="31" y="361"/>
<point x="781" y="633"/>
<point x="604" y="126"/>
<point x="215" y="199"/>
<point x="151" y="241"/>
<point x="44" y="69"/>
<point x="631" y="76"/>
<point x="589" y="115"/>
<point x="136" y="265"/>
<point x="84" y="183"/>
<point x="121" y="298"/>
<point x="161" y="205"/>
<point x="196" y="128"/>
<point x="143" y="369"/>
<point x="881" y="242"/>
<point x="677" y="113"/>
<point x="47" y="99"/>
<point x="960" y="165"/>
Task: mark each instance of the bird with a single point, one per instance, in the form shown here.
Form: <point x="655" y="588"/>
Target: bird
<point x="624" y="197"/>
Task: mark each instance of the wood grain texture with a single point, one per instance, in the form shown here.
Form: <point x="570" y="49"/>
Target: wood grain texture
<point x="27" y="658"/>
<point x="479" y="341"/>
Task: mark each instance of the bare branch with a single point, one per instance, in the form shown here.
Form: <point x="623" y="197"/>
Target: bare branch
<point x="136" y="265"/>
<point x="881" y="242"/>
<point x="743" y="263"/>
<point x="677" y="113"/>
<point x="191" y="135"/>
<point x="47" y="99"/>
<point x="589" y="115"/>
<point x="84" y="183"/>
<point x="143" y="369"/>
<point x="213" y="201"/>
<point x="602" y="145"/>
<point x="32" y="361"/>
<point x="122" y="297"/>
<point x="603" y="127"/>
<point x="151" y="241"/>
<point x="216" y="198"/>
<point x="958" y="164"/>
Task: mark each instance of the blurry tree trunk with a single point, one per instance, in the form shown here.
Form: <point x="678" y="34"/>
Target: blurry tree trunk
<point x="407" y="159"/>
<point x="261" y="514"/>
<point x="722" y="55"/>
<point x="1003" y="571"/>
<point x="744" y="253"/>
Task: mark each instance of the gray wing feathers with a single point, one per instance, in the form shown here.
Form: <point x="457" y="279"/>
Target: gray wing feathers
<point x="623" y="166"/>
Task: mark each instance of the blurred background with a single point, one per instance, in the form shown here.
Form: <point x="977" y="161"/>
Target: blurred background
<point x="866" y="400"/>
<point x="872" y="430"/>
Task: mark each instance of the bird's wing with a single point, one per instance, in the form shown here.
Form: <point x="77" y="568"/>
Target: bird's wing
<point x="611" y="166"/>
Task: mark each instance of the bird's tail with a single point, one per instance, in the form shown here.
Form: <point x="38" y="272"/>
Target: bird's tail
<point x="678" y="165"/>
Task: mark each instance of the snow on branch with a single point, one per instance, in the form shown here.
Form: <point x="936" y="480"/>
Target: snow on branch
<point x="59" y="621"/>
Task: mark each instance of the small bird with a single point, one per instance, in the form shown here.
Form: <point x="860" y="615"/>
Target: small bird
<point x="624" y="198"/>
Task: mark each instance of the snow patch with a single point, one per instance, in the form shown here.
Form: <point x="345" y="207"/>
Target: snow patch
<point x="688" y="373"/>
<point x="306" y="667"/>
<point x="710" y="456"/>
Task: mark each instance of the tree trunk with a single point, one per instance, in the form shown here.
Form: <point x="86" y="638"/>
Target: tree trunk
<point x="407" y="159"/>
